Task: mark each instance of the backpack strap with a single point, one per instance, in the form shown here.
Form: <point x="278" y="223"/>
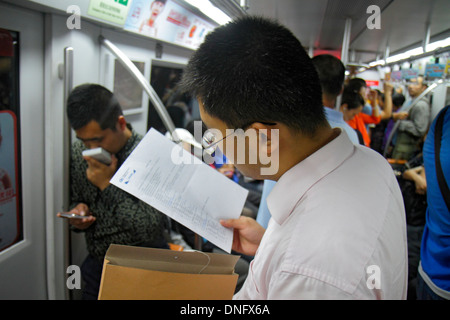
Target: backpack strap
<point x="437" y="147"/>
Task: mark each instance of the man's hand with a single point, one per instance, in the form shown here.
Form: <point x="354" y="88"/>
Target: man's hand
<point x="388" y="88"/>
<point x="98" y="173"/>
<point x="83" y="210"/>
<point x="247" y="234"/>
<point x="400" y="115"/>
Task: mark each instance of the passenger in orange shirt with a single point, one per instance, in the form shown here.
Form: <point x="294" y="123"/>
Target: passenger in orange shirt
<point x="351" y="106"/>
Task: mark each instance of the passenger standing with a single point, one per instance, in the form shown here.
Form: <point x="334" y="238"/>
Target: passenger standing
<point x="398" y="100"/>
<point x="320" y="243"/>
<point x="331" y="72"/>
<point x="386" y="104"/>
<point x="361" y="121"/>
<point x="352" y="105"/>
<point x="112" y="215"/>
<point x="433" y="282"/>
<point x="413" y="129"/>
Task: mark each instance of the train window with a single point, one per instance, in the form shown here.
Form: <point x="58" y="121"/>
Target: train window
<point x="11" y="230"/>
<point x="126" y="89"/>
<point x="164" y="80"/>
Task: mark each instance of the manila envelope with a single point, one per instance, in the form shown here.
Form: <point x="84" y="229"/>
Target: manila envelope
<point x="137" y="273"/>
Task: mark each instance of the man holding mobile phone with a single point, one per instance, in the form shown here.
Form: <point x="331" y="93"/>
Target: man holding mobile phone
<point x="111" y="214"/>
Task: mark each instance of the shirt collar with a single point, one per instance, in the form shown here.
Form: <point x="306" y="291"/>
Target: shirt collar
<point x="333" y="115"/>
<point x="294" y="183"/>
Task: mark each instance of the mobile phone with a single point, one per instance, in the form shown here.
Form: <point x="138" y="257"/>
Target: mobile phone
<point x="71" y="215"/>
<point x="98" y="154"/>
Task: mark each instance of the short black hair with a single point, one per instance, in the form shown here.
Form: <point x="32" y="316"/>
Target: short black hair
<point x="398" y="99"/>
<point x="331" y="73"/>
<point x="92" y="102"/>
<point x="353" y="99"/>
<point x="356" y="84"/>
<point x="255" y="70"/>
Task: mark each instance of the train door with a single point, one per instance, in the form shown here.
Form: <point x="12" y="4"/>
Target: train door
<point x="22" y="201"/>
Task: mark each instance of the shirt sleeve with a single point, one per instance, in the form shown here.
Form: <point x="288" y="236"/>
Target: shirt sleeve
<point x="290" y="286"/>
<point x="144" y="222"/>
<point x="369" y="119"/>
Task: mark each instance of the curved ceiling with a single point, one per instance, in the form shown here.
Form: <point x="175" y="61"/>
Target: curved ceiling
<point x="321" y="23"/>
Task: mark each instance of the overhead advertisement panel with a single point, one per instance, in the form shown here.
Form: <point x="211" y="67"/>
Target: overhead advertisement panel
<point x="115" y="11"/>
<point x="168" y="21"/>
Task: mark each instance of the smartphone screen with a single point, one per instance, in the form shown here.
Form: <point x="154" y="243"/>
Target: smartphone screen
<point x="71" y="215"/>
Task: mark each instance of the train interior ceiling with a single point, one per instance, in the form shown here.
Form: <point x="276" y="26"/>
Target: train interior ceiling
<point x="51" y="46"/>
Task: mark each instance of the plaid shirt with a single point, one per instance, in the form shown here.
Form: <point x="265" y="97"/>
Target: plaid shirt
<point x="120" y="217"/>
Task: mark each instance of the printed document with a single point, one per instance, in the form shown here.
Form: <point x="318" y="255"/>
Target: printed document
<point x="170" y="179"/>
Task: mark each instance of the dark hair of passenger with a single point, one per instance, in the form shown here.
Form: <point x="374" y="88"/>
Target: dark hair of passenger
<point x="92" y="102"/>
<point x="255" y="70"/>
<point x="398" y="99"/>
<point x="353" y="99"/>
<point x="331" y="73"/>
<point x="356" y="84"/>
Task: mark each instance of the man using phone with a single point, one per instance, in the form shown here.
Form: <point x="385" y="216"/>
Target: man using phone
<point x="111" y="214"/>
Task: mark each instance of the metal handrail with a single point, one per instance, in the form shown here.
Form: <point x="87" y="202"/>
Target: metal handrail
<point x="153" y="96"/>
<point x="394" y="129"/>
<point x="67" y="142"/>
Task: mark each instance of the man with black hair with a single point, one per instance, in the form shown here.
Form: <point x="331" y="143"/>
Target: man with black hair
<point x="331" y="72"/>
<point x="412" y="129"/>
<point x="111" y="214"/>
<point x="330" y="237"/>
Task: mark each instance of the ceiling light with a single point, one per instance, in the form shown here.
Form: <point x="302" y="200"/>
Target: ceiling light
<point x="405" y="55"/>
<point x="438" y="44"/>
<point x="210" y="10"/>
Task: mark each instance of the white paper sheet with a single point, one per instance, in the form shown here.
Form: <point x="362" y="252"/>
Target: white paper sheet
<point x="170" y="179"/>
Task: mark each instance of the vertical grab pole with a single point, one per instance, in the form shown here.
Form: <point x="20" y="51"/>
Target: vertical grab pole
<point x="68" y="86"/>
<point x="344" y="52"/>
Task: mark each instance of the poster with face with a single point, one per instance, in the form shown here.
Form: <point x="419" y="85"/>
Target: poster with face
<point x="168" y="21"/>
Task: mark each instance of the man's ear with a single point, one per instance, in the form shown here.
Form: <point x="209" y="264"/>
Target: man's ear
<point x="122" y="123"/>
<point x="268" y="137"/>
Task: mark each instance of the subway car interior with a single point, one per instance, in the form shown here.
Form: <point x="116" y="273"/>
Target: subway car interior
<point x="139" y="50"/>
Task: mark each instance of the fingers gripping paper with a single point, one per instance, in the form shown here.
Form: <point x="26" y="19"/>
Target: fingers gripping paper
<point x="170" y="179"/>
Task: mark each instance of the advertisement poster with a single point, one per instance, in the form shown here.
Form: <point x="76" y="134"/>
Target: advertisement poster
<point x="408" y="74"/>
<point x="435" y="70"/>
<point x="110" y="10"/>
<point x="9" y="199"/>
<point x="168" y="21"/>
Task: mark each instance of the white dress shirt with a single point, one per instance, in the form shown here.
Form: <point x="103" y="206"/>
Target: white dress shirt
<point x="337" y="231"/>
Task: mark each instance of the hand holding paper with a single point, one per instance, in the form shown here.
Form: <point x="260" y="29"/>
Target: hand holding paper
<point x="170" y="179"/>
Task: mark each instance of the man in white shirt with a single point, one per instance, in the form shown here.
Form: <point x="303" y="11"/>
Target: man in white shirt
<point x="338" y="227"/>
<point x="331" y="72"/>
